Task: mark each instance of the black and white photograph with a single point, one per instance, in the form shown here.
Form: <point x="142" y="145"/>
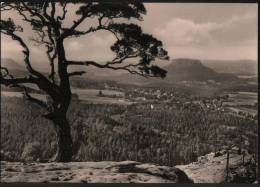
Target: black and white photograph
<point x="129" y="91"/>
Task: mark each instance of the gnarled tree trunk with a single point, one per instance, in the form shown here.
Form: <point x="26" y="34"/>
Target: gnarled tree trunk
<point x="64" y="139"/>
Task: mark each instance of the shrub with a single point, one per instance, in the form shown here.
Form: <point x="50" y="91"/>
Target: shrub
<point x="32" y="152"/>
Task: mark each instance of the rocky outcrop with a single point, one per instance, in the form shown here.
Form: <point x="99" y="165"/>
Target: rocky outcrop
<point x="91" y="172"/>
<point x="211" y="168"/>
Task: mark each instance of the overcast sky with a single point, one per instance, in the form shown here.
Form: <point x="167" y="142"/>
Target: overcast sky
<point x="202" y="31"/>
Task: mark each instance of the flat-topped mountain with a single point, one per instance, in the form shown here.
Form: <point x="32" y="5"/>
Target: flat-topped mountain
<point x="179" y="70"/>
<point x="193" y="70"/>
<point x="189" y="70"/>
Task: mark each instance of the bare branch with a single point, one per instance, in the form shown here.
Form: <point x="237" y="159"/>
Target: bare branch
<point x="16" y="81"/>
<point x="120" y="60"/>
<point x="51" y="59"/>
<point x="8" y="80"/>
<point x="72" y="31"/>
<point x="35" y="13"/>
<point x="76" y="73"/>
<point x="69" y="32"/>
<point x="53" y="10"/>
<point x="107" y="65"/>
<point x="25" y="51"/>
<point x="33" y="99"/>
<point x="42" y="82"/>
<point x="60" y="18"/>
<point x="22" y="9"/>
<point x="25" y="18"/>
<point x="45" y="14"/>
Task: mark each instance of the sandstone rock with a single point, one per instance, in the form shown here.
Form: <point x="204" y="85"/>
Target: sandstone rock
<point x="211" y="168"/>
<point x="92" y="172"/>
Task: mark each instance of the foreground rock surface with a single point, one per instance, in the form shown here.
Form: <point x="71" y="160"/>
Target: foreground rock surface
<point x="211" y="168"/>
<point x="91" y="172"/>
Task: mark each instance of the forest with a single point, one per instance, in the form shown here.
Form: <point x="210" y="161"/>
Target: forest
<point x="166" y="135"/>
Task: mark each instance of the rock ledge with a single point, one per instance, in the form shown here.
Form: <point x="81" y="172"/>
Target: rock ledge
<point x="91" y="172"/>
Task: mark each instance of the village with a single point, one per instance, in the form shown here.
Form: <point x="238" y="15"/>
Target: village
<point x="171" y="98"/>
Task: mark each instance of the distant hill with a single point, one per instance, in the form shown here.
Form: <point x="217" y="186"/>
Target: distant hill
<point x="14" y="65"/>
<point x="193" y="70"/>
<point x="179" y="70"/>
<point x="15" y="68"/>
<point x="238" y="67"/>
<point x="11" y="64"/>
<point x="92" y="79"/>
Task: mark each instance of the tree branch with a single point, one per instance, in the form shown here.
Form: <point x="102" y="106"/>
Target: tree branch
<point x="34" y="100"/>
<point x="15" y="81"/>
<point x="70" y="31"/>
<point x="43" y="82"/>
<point x="25" y="51"/>
<point x="60" y="18"/>
<point x="51" y="59"/>
<point x="35" y="13"/>
<point x="107" y="65"/>
<point x="76" y="73"/>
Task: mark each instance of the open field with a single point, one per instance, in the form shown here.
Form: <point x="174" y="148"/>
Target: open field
<point x="20" y="95"/>
<point x="95" y="92"/>
<point x="243" y="98"/>
<point x="243" y="110"/>
<point x="85" y="95"/>
<point x="107" y="97"/>
<point x="242" y="102"/>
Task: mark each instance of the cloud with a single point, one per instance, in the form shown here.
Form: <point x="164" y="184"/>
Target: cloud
<point x="185" y="32"/>
<point x="213" y="52"/>
<point x="186" y="36"/>
<point x="237" y="30"/>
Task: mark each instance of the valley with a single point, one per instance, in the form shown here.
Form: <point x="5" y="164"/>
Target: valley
<point x="169" y="122"/>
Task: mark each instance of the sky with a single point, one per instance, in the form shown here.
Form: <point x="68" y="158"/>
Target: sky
<point x="187" y="30"/>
